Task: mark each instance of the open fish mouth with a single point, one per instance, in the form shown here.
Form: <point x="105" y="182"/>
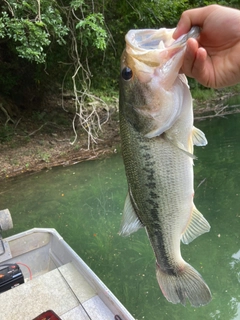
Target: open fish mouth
<point x="156" y="45"/>
<point x="151" y="39"/>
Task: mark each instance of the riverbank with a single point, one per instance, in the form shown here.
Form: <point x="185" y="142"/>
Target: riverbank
<point x="42" y="138"/>
<point x="38" y="139"/>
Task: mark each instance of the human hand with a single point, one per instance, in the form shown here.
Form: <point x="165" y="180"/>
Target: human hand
<point x="213" y="59"/>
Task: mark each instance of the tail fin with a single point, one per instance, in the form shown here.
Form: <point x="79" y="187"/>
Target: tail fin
<point x="187" y="284"/>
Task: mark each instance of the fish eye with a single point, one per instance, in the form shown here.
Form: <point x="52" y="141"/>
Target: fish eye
<point x="127" y="73"/>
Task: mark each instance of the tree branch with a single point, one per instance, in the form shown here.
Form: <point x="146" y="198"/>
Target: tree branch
<point x="6" y="114"/>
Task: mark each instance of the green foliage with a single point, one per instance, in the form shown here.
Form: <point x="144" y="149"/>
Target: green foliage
<point x="203" y="94"/>
<point x="35" y="35"/>
<point x="93" y="29"/>
<point x="30" y="29"/>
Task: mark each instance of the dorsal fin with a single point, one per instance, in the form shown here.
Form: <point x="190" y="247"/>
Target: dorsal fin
<point x="197" y="226"/>
<point x="130" y="221"/>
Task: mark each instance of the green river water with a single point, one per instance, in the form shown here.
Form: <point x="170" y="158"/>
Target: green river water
<point x="84" y="204"/>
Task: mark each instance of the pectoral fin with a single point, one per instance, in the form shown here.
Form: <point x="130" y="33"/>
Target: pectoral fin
<point x="198" y="137"/>
<point x="197" y="226"/>
<point x="130" y="222"/>
<point x="180" y="146"/>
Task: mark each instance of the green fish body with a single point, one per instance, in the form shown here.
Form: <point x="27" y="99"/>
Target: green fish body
<point x="157" y="134"/>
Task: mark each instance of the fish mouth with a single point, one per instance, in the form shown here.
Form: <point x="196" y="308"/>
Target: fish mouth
<point x="152" y="39"/>
<point x="155" y="46"/>
<point x="149" y="39"/>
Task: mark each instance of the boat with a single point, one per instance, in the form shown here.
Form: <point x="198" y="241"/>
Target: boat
<point x="42" y="277"/>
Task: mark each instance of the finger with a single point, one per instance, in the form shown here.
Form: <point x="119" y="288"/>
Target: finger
<point x="192" y="17"/>
<point x="199" y="66"/>
<point x="187" y="20"/>
<point x="202" y="69"/>
<point x="190" y="56"/>
<point x="196" y="63"/>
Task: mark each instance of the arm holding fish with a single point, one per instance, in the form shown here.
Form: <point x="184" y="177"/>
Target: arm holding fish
<point x="213" y="58"/>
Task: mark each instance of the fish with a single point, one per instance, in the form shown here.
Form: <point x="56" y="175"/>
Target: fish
<point x="157" y="138"/>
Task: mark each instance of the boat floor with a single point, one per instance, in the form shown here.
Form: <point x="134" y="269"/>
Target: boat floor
<point x="63" y="290"/>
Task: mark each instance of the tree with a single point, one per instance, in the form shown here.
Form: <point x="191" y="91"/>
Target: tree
<point x="34" y="30"/>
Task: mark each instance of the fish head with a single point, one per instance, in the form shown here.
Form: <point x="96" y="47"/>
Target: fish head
<point x="150" y="85"/>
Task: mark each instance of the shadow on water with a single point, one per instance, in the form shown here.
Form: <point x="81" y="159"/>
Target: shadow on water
<point x="84" y="203"/>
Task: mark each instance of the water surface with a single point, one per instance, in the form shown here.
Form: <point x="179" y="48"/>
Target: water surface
<point x="84" y="204"/>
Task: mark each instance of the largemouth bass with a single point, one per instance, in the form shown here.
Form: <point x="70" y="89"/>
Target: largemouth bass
<point x="157" y="134"/>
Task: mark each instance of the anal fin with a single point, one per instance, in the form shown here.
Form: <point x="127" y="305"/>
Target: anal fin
<point x="130" y="221"/>
<point x="197" y="226"/>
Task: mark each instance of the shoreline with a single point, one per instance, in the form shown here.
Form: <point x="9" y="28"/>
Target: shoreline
<point x="45" y="149"/>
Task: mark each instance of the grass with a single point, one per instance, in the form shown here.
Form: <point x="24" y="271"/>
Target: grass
<point x="202" y="95"/>
<point x="45" y="156"/>
<point x="206" y="94"/>
<point x="109" y="96"/>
